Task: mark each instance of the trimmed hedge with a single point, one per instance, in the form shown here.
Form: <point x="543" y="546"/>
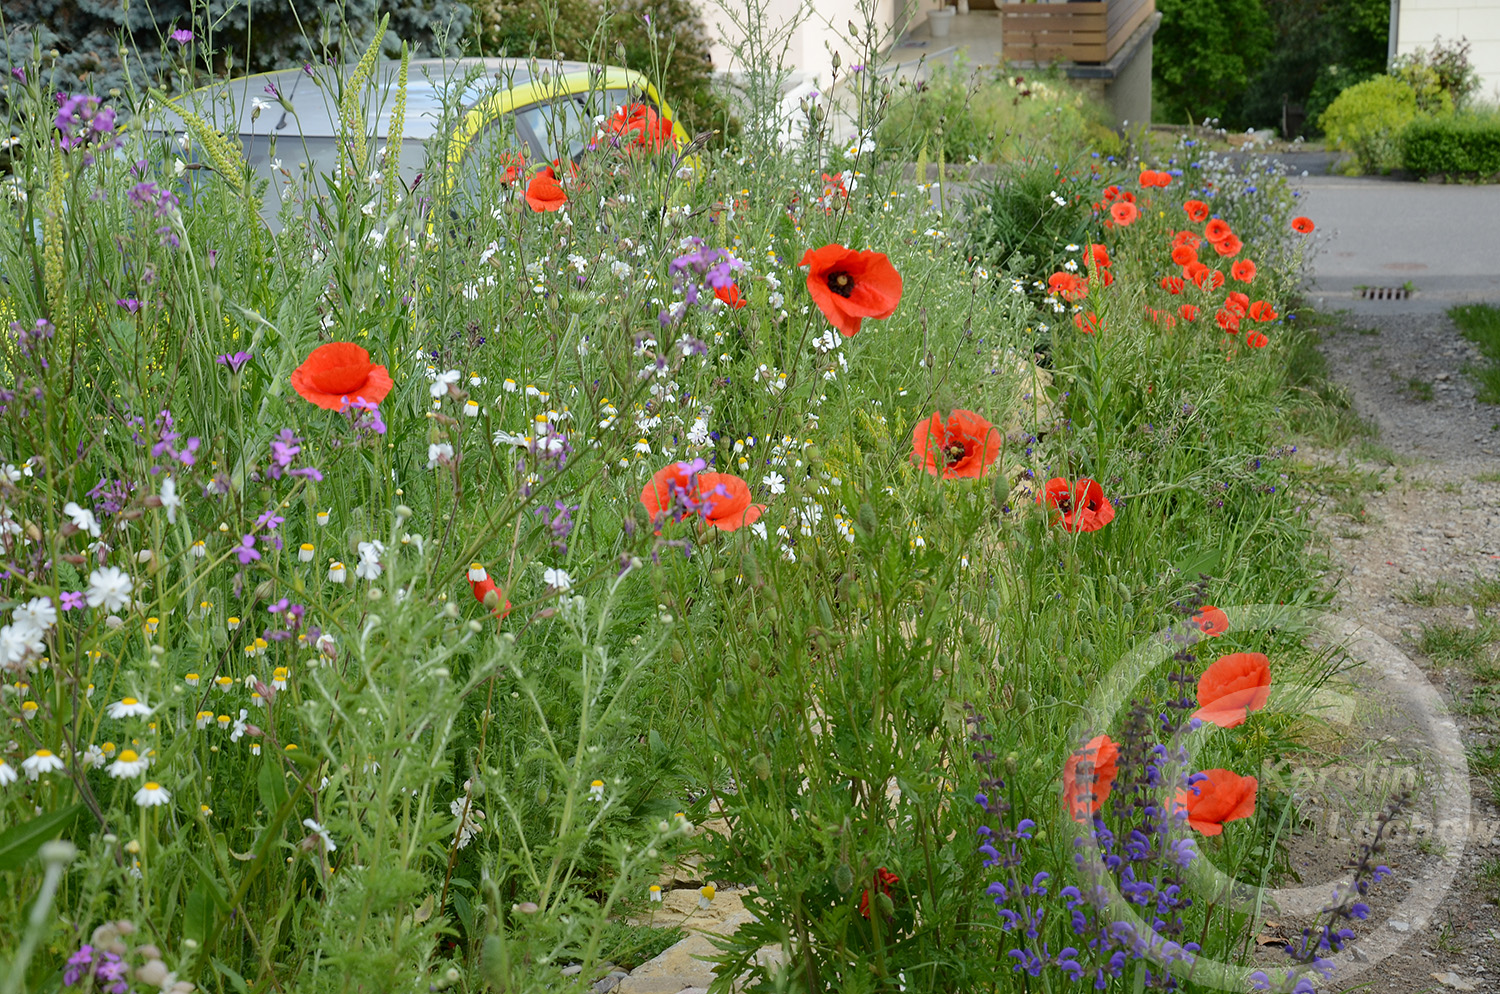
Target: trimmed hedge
<point x="1453" y="145"/>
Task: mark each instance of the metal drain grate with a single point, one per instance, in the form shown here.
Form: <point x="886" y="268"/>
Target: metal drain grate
<point x="1385" y="292"/>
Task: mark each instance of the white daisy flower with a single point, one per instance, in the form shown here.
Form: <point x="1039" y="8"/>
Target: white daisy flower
<point x="152" y="794"/>
<point x="39" y="762"/>
<point x="558" y="579"/>
<point x="128" y="765"/>
<point x="128" y="707"/>
<point x="336" y="571"/>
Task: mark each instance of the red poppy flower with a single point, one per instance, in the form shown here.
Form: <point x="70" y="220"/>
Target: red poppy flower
<point x="1207" y="279"/>
<point x="1229" y="246"/>
<point x="1232" y="687"/>
<point x="1128" y="197"/>
<point x="515" y="166"/>
<point x="332" y="375"/>
<point x="1088" y="323"/>
<point x="1262" y="311"/>
<point x="1244" y="270"/>
<point x="1211" y="621"/>
<point x="1221" y="796"/>
<point x="1098" y="256"/>
<point x="1256" y="340"/>
<point x="721" y="499"/>
<point x="1124" y="213"/>
<point x="1104" y="276"/>
<point x="1110" y="193"/>
<point x="1197" y="211"/>
<point x="482" y="586"/>
<point x="1187" y="238"/>
<point x="960" y="448"/>
<point x="1184" y="256"/>
<point x="1089" y="776"/>
<point x="883" y="880"/>
<point x="1302" y="225"/>
<point x="1163" y="179"/>
<point x="1237" y="304"/>
<point x="544" y="193"/>
<point x="850" y="286"/>
<point x="1188" y="312"/>
<point x="1217" y="230"/>
<point x="638" y="124"/>
<point x="1068" y="286"/>
<point x="1229" y="321"/>
<point x="1081" y="506"/>
<point x="1159" y="318"/>
<point x="1172" y="284"/>
<point x="731" y="295"/>
<point x="1148" y="177"/>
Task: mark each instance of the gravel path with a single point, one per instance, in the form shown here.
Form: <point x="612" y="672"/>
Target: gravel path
<point x="1417" y="550"/>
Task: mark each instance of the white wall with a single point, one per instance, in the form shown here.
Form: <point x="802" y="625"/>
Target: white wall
<point x="1422" y="21"/>
<point x="824" y="26"/>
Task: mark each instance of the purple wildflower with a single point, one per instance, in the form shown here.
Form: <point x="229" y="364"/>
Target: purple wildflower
<point x="182" y="36"/>
<point x="78" y="965"/>
<point x="234" y="360"/>
<point x="246" y="550"/>
<point x="71" y="600"/>
<point x="129" y="303"/>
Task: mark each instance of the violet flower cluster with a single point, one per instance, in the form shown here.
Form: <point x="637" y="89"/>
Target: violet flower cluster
<point x="1143" y="865"/>
<point x="82" y="120"/>
<point x="698" y="270"/>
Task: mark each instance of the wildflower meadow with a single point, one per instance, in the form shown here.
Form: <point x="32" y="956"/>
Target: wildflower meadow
<point x="401" y="578"/>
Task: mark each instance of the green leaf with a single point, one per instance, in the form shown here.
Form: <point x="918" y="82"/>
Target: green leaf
<point x="272" y="786"/>
<point x="234" y="978"/>
<point x="20" y="843"/>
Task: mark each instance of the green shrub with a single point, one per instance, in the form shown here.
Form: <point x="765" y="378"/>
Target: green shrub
<point x="1455" y="145"/>
<point x="1367" y="120"/>
<point x="1444" y="78"/>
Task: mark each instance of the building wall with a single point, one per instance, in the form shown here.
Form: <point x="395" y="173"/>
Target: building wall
<point x="823" y="30"/>
<point x="1423" y="21"/>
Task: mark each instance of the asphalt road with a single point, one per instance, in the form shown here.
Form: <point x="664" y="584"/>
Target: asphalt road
<point x="1444" y="240"/>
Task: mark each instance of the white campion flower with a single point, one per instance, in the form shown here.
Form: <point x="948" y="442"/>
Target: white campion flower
<point x="170" y="500"/>
<point x="36" y="616"/>
<point x="83" y="519"/>
<point x="109" y="588"/>
<point x="775" y="482"/>
<point x="322" y="833"/>
<point x="558" y="579"/>
<point x="438" y="453"/>
<point x="442" y="381"/>
<point x="368" y="567"/>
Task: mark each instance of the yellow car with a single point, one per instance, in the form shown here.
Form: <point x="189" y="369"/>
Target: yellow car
<point x="496" y="108"/>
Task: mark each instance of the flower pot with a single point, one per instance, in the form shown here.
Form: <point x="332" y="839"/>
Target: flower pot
<point x="940" y="21"/>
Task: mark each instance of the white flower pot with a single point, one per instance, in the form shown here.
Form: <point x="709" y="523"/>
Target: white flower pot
<point x="940" y="21"/>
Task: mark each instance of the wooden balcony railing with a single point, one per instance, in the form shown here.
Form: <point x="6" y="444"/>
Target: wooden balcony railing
<point x="1070" y="32"/>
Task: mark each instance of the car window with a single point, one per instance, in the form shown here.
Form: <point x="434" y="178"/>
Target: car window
<point x="565" y="127"/>
<point x="491" y="161"/>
